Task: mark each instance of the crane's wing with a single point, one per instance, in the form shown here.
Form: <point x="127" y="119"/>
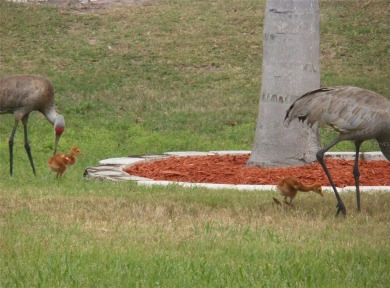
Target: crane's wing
<point x="344" y="108"/>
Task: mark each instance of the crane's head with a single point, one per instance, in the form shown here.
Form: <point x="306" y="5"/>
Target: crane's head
<point x="59" y="127"/>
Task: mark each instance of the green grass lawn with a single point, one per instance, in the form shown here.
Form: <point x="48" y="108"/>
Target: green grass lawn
<point x="169" y="76"/>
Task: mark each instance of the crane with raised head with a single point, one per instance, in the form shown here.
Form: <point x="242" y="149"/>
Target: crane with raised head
<point x="357" y="114"/>
<point x="22" y="94"/>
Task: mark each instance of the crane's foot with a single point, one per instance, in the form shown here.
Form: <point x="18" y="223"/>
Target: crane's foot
<point x="341" y="208"/>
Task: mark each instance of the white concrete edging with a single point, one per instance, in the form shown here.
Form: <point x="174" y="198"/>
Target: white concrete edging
<point x="112" y="169"/>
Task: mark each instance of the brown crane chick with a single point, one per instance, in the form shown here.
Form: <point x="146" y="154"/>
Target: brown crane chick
<point x="59" y="162"/>
<point x="289" y="187"/>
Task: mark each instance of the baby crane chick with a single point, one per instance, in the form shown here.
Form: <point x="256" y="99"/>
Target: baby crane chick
<point x="289" y="187"/>
<point x="59" y="162"/>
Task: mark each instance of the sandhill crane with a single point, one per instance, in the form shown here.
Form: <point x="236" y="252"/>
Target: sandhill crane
<point x="59" y="162"/>
<point x="357" y="114"/>
<point x="22" y="94"/>
<point x="289" y="187"/>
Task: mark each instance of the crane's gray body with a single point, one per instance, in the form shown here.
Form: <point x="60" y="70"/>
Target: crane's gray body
<point x="22" y="94"/>
<point x="357" y="114"/>
<point x="19" y="95"/>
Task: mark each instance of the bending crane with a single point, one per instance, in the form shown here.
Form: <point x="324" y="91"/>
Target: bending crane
<point x="22" y="94"/>
<point x="357" y="114"/>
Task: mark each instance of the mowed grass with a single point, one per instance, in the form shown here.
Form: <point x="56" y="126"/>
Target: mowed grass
<point x="163" y="76"/>
<point x="119" y="235"/>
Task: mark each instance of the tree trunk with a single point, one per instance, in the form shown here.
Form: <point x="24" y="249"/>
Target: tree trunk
<point x="291" y="41"/>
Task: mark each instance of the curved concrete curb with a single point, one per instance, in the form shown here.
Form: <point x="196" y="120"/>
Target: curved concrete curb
<point x="112" y="169"/>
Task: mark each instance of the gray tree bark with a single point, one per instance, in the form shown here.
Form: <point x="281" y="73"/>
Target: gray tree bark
<point x="291" y="41"/>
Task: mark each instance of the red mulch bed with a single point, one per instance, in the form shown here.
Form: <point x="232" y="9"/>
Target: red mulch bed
<point x="232" y="169"/>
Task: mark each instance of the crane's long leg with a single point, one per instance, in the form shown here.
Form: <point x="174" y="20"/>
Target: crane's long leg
<point x="356" y="173"/>
<point x="26" y="144"/>
<point x="320" y="157"/>
<point x="11" y="147"/>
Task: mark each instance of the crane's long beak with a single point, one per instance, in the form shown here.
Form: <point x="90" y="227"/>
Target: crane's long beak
<point x="59" y="127"/>
<point x="57" y="139"/>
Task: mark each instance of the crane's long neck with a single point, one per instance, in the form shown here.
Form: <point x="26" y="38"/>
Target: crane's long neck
<point x="51" y="115"/>
<point x="59" y="125"/>
<point x="54" y="118"/>
<point x="72" y="159"/>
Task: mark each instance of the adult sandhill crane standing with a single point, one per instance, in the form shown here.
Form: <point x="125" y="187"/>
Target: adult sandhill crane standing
<point x="357" y="114"/>
<point x="22" y="94"/>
